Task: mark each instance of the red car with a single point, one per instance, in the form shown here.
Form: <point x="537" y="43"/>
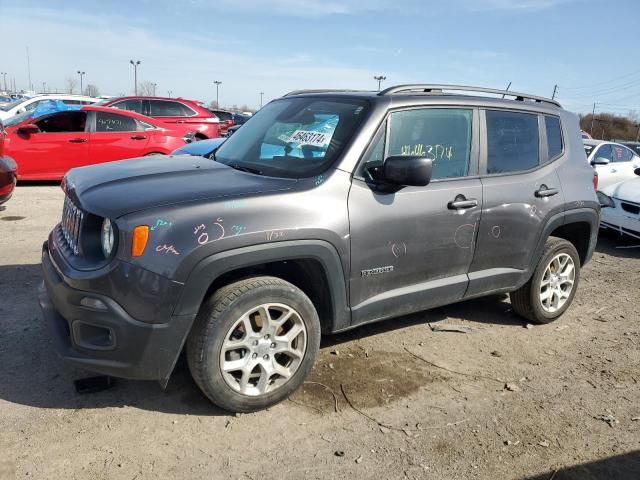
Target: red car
<point x="173" y="111"/>
<point x="46" y="147"/>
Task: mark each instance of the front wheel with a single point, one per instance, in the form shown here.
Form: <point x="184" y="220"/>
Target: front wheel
<point x="551" y="289"/>
<point x="253" y="343"/>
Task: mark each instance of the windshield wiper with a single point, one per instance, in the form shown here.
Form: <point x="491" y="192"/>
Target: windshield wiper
<point x="243" y="168"/>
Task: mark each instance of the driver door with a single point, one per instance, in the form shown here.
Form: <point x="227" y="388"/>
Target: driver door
<point x="411" y="249"/>
<point x="61" y="144"/>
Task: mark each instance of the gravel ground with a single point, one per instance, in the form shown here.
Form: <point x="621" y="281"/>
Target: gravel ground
<point x="391" y="400"/>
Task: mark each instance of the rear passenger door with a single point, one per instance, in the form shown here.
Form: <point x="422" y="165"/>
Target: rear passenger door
<point x="411" y="249"/>
<point x="520" y="192"/>
<point x="116" y="137"/>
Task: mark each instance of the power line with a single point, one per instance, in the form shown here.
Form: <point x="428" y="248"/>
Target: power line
<point x="586" y="87"/>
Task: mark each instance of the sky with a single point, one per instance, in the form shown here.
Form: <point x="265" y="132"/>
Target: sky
<point x="588" y="48"/>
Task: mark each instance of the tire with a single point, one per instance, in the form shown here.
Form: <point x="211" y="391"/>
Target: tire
<point x="527" y="300"/>
<point x="233" y="318"/>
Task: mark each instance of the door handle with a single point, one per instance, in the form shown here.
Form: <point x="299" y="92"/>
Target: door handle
<point x="138" y="137"/>
<point x="461" y="203"/>
<point x="180" y="121"/>
<point x="545" y="191"/>
<point x="77" y="140"/>
<point x="613" y="170"/>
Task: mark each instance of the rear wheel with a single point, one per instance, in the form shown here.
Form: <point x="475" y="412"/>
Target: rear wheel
<point x="253" y="343"/>
<point x="551" y="289"/>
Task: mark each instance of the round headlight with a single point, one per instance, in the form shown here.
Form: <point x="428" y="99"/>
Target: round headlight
<point x="107" y="237"/>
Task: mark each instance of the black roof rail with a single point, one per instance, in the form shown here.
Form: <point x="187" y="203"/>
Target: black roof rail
<point x="319" y="90"/>
<point x="439" y="89"/>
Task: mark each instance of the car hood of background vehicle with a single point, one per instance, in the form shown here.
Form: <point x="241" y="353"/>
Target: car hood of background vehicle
<point x="628" y="190"/>
<point x="118" y="188"/>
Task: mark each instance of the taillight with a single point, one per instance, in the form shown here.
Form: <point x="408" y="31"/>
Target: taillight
<point x="595" y="181"/>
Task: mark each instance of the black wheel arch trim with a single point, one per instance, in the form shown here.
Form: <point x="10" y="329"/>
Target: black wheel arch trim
<point x="578" y="215"/>
<point x="212" y="267"/>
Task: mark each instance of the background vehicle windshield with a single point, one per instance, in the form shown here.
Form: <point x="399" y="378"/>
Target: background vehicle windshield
<point x="294" y="137"/>
<point x="10" y="122"/>
<point x="9" y="106"/>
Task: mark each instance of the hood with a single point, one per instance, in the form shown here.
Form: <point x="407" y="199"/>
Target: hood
<point x="115" y="189"/>
<point x="628" y="190"/>
<point x="201" y="147"/>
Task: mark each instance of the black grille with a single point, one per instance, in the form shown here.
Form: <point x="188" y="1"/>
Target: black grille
<point x="71" y="224"/>
<point x="630" y="207"/>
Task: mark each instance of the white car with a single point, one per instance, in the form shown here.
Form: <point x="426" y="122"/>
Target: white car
<point x="621" y="206"/>
<point x="27" y="104"/>
<point x="613" y="162"/>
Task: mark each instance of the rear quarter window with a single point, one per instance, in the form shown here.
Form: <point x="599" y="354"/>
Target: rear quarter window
<point x="554" y="136"/>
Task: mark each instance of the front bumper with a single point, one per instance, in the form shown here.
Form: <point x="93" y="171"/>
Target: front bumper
<point x="105" y="338"/>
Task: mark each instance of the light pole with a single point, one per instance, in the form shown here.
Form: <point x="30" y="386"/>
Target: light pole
<point x="261" y="94"/>
<point x="379" y="78"/>
<point x="169" y="92"/>
<point x="135" y="75"/>
<point x="44" y="87"/>
<point x="154" y="88"/>
<point x="217" y="84"/>
<point x="82" y="74"/>
<point x="4" y="74"/>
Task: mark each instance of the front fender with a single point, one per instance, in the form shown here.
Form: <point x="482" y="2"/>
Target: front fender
<point x="210" y="268"/>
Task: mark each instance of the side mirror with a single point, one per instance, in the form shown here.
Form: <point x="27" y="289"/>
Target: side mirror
<point x="407" y="170"/>
<point x="600" y="161"/>
<point x="28" y="129"/>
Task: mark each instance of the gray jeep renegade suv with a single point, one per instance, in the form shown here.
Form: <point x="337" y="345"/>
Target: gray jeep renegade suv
<point x="325" y="211"/>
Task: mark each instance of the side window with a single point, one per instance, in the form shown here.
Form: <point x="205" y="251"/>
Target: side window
<point x="605" y="151"/>
<point x="441" y="134"/>
<point x="622" y="154"/>
<point x="63" y="122"/>
<point x="112" y="122"/>
<point x="374" y="156"/>
<point x="512" y="141"/>
<point x="554" y="136"/>
<point x="33" y="105"/>
<point x="131" y="105"/>
<point x="143" y="126"/>
<point x="166" y="108"/>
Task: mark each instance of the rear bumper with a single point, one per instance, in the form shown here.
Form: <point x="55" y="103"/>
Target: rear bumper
<point x="105" y="338"/>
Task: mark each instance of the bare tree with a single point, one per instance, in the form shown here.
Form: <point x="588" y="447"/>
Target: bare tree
<point x="146" y="88"/>
<point x="213" y="105"/>
<point x="71" y="84"/>
<point x="91" y="90"/>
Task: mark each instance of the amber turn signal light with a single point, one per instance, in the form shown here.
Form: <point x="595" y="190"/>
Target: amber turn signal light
<point x="139" y="240"/>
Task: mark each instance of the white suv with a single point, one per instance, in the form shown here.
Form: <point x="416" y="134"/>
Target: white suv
<point x="27" y="104"/>
<point x="613" y="162"/>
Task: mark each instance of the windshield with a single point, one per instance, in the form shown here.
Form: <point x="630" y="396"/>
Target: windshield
<point x="294" y="137"/>
<point x="9" y="106"/>
<point x="11" y="121"/>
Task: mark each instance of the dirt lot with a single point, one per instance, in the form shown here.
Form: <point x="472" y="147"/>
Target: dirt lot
<point x="393" y="400"/>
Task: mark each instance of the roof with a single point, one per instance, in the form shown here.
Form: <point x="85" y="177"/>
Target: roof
<point x="144" y="97"/>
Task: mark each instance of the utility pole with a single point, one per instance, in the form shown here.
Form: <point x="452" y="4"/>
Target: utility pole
<point x="553" y="95"/>
<point x="379" y="78"/>
<point x="135" y="75"/>
<point x="44" y="87"/>
<point x="154" y="88"/>
<point x="4" y="74"/>
<point x="638" y="133"/>
<point x="29" y="69"/>
<point x="261" y="94"/>
<point x="169" y="92"/>
<point x="82" y="74"/>
<point x="217" y="84"/>
<point x="593" y="116"/>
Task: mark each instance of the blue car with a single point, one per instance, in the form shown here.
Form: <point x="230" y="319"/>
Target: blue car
<point x="201" y="148"/>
